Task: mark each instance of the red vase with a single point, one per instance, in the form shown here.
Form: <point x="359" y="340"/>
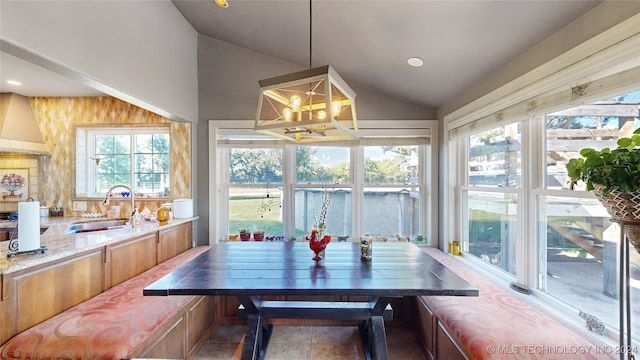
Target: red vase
<point x="258" y="236"/>
<point x="245" y="236"/>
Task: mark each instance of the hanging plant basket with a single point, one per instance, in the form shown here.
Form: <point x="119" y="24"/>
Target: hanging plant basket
<point x="624" y="209"/>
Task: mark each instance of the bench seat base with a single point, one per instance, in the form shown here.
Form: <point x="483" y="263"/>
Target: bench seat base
<point x="499" y="324"/>
<point x="119" y="323"/>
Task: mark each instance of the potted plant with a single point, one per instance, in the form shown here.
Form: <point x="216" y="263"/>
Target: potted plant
<point x="614" y="177"/>
<point x="258" y="235"/>
<point x="244" y="234"/>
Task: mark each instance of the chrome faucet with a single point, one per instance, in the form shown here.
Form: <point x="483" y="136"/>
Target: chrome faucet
<point x="133" y="210"/>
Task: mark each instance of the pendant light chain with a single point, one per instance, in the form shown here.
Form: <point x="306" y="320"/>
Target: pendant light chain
<point x="310" y="34"/>
<point x="317" y="97"/>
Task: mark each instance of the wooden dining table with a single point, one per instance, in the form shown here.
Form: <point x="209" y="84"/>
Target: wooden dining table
<point x="251" y="271"/>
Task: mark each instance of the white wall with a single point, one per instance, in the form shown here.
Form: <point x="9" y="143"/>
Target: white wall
<point x="143" y="52"/>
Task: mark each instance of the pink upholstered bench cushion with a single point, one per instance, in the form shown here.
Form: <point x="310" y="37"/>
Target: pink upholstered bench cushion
<point x="500" y="318"/>
<point x="110" y="325"/>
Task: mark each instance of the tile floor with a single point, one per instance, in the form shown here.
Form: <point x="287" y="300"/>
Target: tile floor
<point x="309" y="343"/>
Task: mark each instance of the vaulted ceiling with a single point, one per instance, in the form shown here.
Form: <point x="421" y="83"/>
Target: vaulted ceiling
<point x="368" y="42"/>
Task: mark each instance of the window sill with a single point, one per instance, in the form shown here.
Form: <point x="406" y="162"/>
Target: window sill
<point x="100" y="198"/>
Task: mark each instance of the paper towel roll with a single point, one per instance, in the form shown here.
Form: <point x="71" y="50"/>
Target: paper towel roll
<point x="28" y="226"/>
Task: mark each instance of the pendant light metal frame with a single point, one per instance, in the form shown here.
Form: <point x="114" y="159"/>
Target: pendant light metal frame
<point x="307" y="106"/>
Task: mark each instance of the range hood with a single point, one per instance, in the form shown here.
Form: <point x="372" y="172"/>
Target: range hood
<point x="19" y="130"/>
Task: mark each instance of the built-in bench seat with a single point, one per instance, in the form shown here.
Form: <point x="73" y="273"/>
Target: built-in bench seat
<point x="498" y="324"/>
<point x="121" y="323"/>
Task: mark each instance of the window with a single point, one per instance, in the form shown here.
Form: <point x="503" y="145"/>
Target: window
<point x="392" y="182"/>
<point x="578" y="241"/>
<point x="520" y="220"/>
<point x="491" y="196"/>
<point x="279" y="187"/>
<point x="323" y="179"/>
<point x="255" y="190"/>
<point x="138" y="158"/>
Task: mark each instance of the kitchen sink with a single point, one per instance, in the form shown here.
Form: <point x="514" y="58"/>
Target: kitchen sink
<point x="90" y="226"/>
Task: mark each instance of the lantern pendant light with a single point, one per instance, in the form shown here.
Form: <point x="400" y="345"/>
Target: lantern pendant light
<point x="307" y="106"/>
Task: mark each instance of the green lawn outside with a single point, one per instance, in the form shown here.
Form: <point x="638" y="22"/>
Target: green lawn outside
<point x="244" y="207"/>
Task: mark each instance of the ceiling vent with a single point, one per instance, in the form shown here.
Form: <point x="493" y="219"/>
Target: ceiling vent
<point x="19" y="130"/>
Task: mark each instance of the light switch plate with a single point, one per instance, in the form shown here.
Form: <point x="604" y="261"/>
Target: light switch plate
<point x="79" y="206"/>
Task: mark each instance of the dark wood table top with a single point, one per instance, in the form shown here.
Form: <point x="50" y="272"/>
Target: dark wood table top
<point x="286" y="268"/>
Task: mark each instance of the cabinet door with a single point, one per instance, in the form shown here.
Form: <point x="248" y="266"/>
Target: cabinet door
<point x="41" y="293"/>
<point x="174" y="240"/>
<point x="446" y="347"/>
<point x="130" y="258"/>
<point x="200" y="316"/>
<point x="426" y="323"/>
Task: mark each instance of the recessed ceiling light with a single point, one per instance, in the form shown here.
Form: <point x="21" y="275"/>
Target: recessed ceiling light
<point x="415" y="61"/>
<point x="13" y="82"/>
<point x="222" y="3"/>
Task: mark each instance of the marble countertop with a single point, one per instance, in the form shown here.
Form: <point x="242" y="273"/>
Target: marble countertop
<point x="61" y="245"/>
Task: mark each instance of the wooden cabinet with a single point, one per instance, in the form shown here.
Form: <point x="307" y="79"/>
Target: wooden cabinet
<point x="433" y="335"/>
<point x="182" y="336"/>
<point x="446" y="348"/>
<point x="130" y="258"/>
<point x="36" y="293"/>
<point x="174" y="240"/>
<point x="425" y="329"/>
<point x="198" y="321"/>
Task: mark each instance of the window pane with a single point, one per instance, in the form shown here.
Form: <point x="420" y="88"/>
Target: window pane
<point x="255" y="209"/>
<point x="492" y="222"/>
<point x="152" y="164"/>
<point x="595" y="126"/>
<point x="391" y="165"/>
<point x="161" y="143"/>
<point x="308" y="210"/>
<point x="121" y="179"/>
<point x="251" y="166"/>
<point x="494" y="157"/>
<point x="122" y="144"/>
<point x="115" y="161"/>
<point x="392" y="211"/>
<point x="160" y="163"/>
<point x="580" y="246"/>
<point x="144" y="163"/>
<point x="105" y="145"/>
<point x="144" y="143"/>
<point x="104" y="182"/>
<point x="322" y="165"/>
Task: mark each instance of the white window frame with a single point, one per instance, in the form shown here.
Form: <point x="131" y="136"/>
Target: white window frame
<point x="606" y="65"/>
<point x="221" y="133"/>
<point x="85" y="154"/>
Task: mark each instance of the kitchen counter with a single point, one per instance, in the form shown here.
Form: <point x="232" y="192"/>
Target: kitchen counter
<point x="61" y="245"/>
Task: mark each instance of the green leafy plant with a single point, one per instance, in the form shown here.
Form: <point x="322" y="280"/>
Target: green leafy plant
<point x="617" y="169"/>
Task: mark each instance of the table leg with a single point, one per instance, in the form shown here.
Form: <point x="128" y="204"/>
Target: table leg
<point x="372" y="331"/>
<point x="256" y="338"/>
<point x="258" y="332"/>
<point x="379" y="338"/>
<point x="374" y="338"/>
